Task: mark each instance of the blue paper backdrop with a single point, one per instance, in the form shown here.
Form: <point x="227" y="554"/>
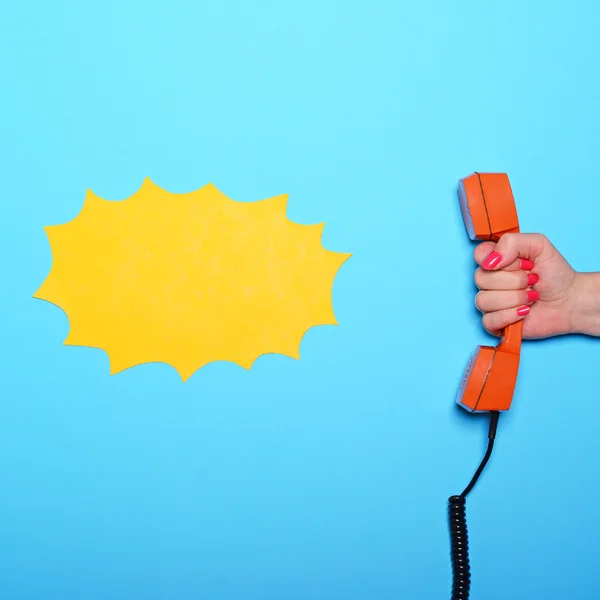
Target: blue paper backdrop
<point x="324" y="479"/>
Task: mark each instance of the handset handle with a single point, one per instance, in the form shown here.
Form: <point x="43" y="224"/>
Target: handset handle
<point x="512" y="336"/>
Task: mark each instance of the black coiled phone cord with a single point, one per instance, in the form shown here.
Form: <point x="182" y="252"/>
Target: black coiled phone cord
<point x="459" y="538"/>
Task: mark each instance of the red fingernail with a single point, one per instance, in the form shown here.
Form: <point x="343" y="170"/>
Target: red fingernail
<point x="492" y="260"/>
<point x="526" y="264"/>
<point x="532" y="279"/>
<point x="524" y="310"/>
<point x="532" y="295"/>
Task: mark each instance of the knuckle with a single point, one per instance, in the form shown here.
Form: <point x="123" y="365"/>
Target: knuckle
<point x="539" y="242"/>
<point x="479" y="278"/>
<point x="510" y="239"/>
<point x="484" y="302"/>
<point x="480" y="301"/>
<point x="489" y="322"/>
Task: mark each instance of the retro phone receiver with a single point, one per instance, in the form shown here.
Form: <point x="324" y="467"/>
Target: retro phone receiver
<point x="489" y="211"/>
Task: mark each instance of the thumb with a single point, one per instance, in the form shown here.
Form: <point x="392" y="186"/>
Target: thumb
<point x="482" y="251"/>
<point x="512" y="246"/>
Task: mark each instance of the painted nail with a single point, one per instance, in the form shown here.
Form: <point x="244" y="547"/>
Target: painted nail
<point x="526" y="264"/>
<point x="492" y="260"/>
<point x="532" y="295"/>
<point x="523" y="310"/>
<point x="532" y="279"/>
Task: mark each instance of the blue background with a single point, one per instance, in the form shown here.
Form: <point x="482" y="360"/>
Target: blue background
<point x="327" y="478"/>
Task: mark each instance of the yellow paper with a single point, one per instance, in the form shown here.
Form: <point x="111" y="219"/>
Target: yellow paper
<point x="189" y="279"/>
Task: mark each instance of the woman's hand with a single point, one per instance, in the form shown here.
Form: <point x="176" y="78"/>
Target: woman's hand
<point x="524" y="277"/>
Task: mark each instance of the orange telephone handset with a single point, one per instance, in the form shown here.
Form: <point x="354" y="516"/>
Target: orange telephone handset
<point x="489" y="211"/>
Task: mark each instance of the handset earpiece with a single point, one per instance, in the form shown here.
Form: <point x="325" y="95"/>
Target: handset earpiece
<point x="489" y="212"/>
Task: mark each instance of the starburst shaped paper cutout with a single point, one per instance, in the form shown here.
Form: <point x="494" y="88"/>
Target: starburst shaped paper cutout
<point x="189" y="279"/>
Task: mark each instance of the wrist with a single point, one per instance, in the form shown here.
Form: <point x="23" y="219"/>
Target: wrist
<point x="586" y="304"/>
